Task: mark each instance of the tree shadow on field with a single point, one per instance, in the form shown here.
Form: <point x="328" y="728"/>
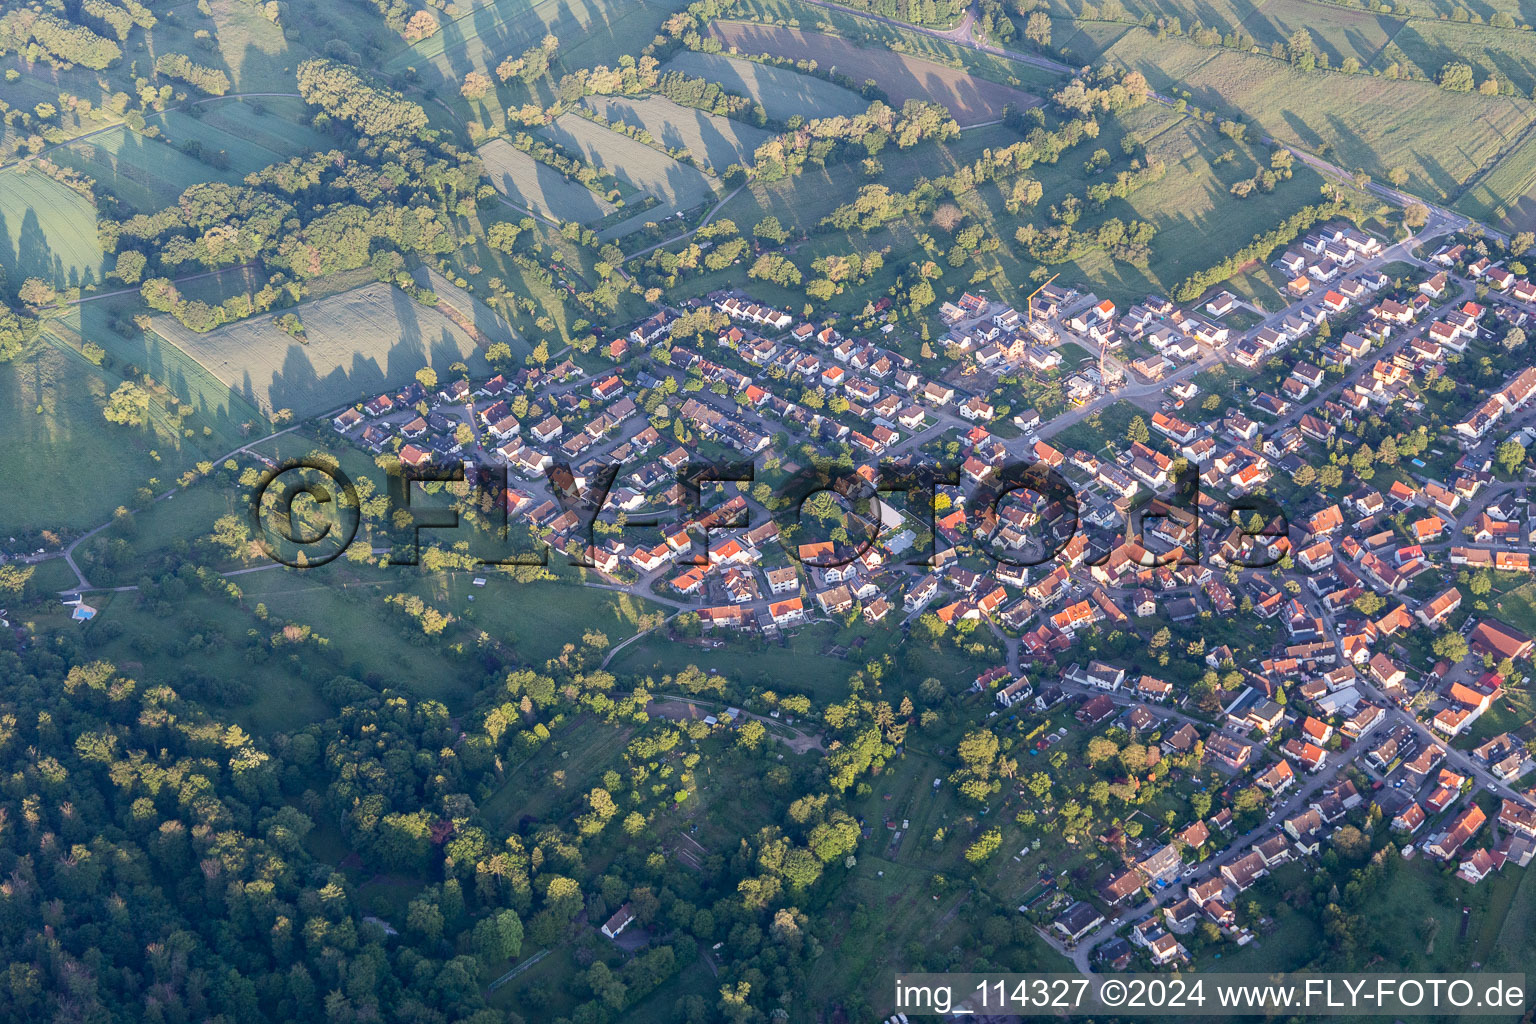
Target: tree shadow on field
<point x="1306" y="136"/>
<point x="32" y="256"/>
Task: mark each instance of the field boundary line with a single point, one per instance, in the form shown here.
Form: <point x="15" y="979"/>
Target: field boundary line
<point x="124" y="124"/>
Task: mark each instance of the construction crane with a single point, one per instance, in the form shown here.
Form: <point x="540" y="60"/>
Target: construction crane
<point x="1031" y="299"/>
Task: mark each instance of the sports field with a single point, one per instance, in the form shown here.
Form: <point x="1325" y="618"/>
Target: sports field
<point x="970" y="99"/>
<point x="717" y="142"/>
<point x="47" y="231"/>
<point x="359" y="343"/>
<point x="1442" y="139"/>
<point x="538" y="186"/>
<point x="783" y="93"/>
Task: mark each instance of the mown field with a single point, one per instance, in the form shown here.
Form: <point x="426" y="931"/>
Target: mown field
<point x="896" y="39"/>
<point x="1427" y="46"/>
<point x="78" y="467"/>
<point x="1505" y="196"/>
<point x="46" y="231"/>
<point x="1442" y="139"/>
<point x="782" y="92"/>
<point x="539" y="187"/>
<point x="714" y="142"/>
<point x="148" y="173"/>
<point x="675" y="184"/>
<point x="359" y="342"/>
<point x="802" y="201"/>
<point x="1196" y="216"/>
<point x="590" y="32"/>
<point x="970" y="99"/>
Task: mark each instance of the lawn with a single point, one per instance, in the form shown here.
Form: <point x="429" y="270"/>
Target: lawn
<point x="204" y="640"/>
<point x="583" y="747"/>
<point x="714" y="142"/>
<point x="1442" y="139"/>
<point x="1418" y="915"/>
<point x="358" y="343"/>
<point x="782" y="92"/>
<point x="971" y="99"/>
<point x="346" y="607"/>
<point x="799" y="667"/>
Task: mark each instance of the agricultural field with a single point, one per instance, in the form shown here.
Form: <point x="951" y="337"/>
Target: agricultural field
<point x="970" y="99"/>
<point x="46" y="231"/>
<point x="538" y="187"/>
<point x="1506" y="195"/>
<point x="802" y="201"/>
<point x="1427" y="46"/>
<point x="53" y="430"/>
<point x="1441" y="139"/>
<point x="148" y="172"/>
<point x="713" y="141"/>
<point x="358" y="343"/>
<point x="782" y="92"/>
<point x="677" y="185"/>
<point x="898" y="39"/>
<point x="599" y="29"/>
<point x="1192" y="208"/>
